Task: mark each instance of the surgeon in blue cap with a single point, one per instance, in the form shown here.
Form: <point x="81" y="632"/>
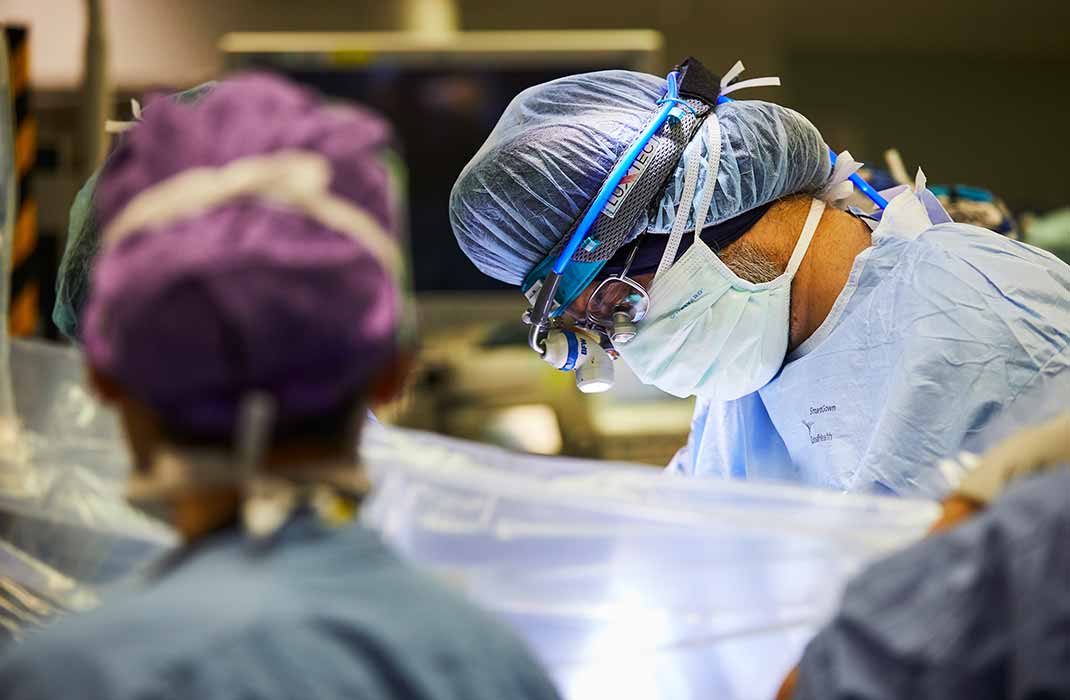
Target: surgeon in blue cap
<point x="826" y="347"/>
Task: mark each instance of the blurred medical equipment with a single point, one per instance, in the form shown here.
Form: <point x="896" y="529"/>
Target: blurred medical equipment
<point x="8" y="200"/>
<point x="977" y="206"/>
<point x="32" y="594"/>
<point x="63" y="478"/>
<point x="97" y="95"/>
<point x="62" y="521"/>
<point x="1050" y="231"/>
<point x="965" y="204"/>
<point x="23" y="581"/>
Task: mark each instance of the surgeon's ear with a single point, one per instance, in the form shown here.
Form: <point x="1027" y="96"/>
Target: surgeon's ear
<point x="391" y="380"/>
<point x="104" y="387"/>
<point x="141" y="426"/>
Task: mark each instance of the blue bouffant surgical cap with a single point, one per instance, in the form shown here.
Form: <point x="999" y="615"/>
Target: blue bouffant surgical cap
<point x="556" y="143"/>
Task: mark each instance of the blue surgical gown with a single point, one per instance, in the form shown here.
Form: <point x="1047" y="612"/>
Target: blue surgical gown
<point x="938" y="330"/>
<point x="322" y="613"/>
<point x="981" y="611"/>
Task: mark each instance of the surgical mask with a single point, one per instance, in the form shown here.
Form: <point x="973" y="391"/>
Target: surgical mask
<point x="711" y="334"/>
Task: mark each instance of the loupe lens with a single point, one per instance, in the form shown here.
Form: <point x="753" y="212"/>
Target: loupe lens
<point x="615" y="296"/>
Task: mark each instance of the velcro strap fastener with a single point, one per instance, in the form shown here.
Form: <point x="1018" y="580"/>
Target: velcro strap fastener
<point x="697" y="82"/>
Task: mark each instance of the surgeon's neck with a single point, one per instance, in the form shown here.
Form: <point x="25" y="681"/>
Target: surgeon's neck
<point x="199" y="513"/>
<point x="824" y="271"/>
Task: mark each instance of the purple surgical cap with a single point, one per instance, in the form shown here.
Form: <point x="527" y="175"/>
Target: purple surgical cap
<point x="192" y="316"/>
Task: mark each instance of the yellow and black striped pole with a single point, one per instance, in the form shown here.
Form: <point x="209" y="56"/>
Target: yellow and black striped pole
<point x="24" y="314"/>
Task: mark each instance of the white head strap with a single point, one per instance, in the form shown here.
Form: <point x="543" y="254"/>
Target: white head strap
<point x="295" y="180"/>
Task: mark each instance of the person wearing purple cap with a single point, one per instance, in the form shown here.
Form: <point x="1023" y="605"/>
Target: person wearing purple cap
<point x="246" y="307"/>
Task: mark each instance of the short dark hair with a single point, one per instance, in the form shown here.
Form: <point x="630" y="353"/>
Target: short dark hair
<point x="336" y="426"/>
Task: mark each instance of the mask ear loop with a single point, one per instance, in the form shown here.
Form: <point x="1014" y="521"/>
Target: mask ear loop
<point x="713" y="164"/>
<point x="817" y="208"/>
<point x="713" y="168"/>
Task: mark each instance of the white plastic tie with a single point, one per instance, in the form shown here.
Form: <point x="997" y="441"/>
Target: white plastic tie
<point x="732" y="74"/>
<point x="920" y="181"/>
<point x="752" y="83"/>
<point x="728" y="87"/>
<point x="114" y="126"/>
<point x="839" y="186"/>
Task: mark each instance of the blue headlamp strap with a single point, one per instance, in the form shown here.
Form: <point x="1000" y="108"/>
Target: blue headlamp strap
<point x="672" y="97"/>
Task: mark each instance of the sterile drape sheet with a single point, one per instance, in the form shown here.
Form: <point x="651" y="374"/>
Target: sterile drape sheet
<point x="627" y="582"/>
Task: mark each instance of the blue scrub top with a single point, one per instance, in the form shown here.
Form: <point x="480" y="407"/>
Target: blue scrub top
<point x="321" y="613"/>
<point x="938" y="330"/>
<point x="981" y="611"/>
